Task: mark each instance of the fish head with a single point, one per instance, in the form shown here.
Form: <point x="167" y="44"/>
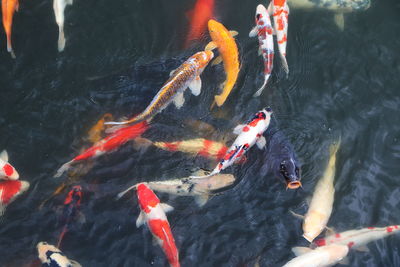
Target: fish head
<point x="262" y="115"/>
<point x="216" y="30"/>
<point x="75" y="195"/>
<point x="290" y="172"/>
<point x="43" y="248"/>
<point x="8" y="172"/>
<point x="147" y="198"/>
<point x="261" y="15"/>
<point x="203" y="58"/>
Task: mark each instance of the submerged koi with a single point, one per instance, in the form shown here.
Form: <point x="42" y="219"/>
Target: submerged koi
<point x="248" y="134"/>
<point x="8" y="7"/>
<point x="50" y="256"/>
<point x="7" y="171"/>
<point x="264" y="31"/>
<point x="9" y="191"/>
<point x="95" y="133"/>
<point x="110" y="143"/>
<point x="320" y="257"/>
<point x="59" y="7"/>
<point x="186" y="75"/>
<point x="280" y="12"/>
<point x="200" y="188"/>
<point x="229" y="54"/>
<point x="153" y="214"/>
<point x="71" y="208"/>
<point x="203" y="11"/>
<point x="357" y="239"/>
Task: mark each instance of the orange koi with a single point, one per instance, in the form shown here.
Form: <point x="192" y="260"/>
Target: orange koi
<point x="199" y="16"/>
<point x="8" y="7"/>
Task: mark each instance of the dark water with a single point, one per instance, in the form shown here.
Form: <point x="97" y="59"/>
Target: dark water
<point x="118" y="54"/>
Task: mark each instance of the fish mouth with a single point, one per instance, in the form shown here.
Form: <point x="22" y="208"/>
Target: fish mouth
<point x="294" y="185"/>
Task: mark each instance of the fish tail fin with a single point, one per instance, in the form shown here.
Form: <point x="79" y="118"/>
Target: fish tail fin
<point x="335" y="147"/>
<point x="285" y="65"/>
<point x="259" y="91"/>
<point x="126" y="191"/>
<point x="9" y="46"/>
<point x="61" y="39"/>
<point x="63" y="168"/>
<point x="219" y="100"/>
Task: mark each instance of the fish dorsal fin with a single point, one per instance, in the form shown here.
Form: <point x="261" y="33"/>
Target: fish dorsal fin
<point x="201" y="200"/>
<point x="4" y="155"/>
<point x="238" y="129"/>
<point x="195" y="86"/>
<point x="210" y="46"/>
<point x="141" y="219"/>
<point x="167" y="208"/>
<point x="233" y="33"/>
<point x="300" y="250"/>
<point x="339" y="20"/>
<point x="253" y="32"/>
<point x="75" y="263"/>
<point x="216" y="61"/>
<point x="261" y="142"/>
<point x="179" y="100"/>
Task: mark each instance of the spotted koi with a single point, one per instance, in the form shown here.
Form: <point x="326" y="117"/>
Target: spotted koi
<point x="9" y="191"/>
<point x="7" y="171"/>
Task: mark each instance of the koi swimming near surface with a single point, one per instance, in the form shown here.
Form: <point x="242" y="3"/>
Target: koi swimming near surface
<point x="9" y="191"/>
<point x="7" y="171"/>
<point x="50" y="256"/>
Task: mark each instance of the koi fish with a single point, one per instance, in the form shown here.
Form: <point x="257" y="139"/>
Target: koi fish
<point x="71" y="208"/>
<point x="7" y="171"/>
<point x="280" y="12"/>
<point x="95" y="133"/>
<point x="248" y="135"/>
<point x="153" y="214"/>
<point x="186" y="75"/>
<point x="339" y="7"/>
<point x="59" y="7"/>
<point x="203" y="11"/>
<point x="51" y="256"/>
<point x="320" y="208"/>
<point x="229" y="54"/>
<point x="281" y="160"/>
<point x="200" y="188"/>
<point x="110" y="143"/>
<point x="9" y="191"/>
<point x="264" y="31"/>
<point x="199" y="146"/>
<point x="357" y="239"/>
<point x="200" y="127"/>
<point x="8" y="7"/>
<point x="320" y="257"/>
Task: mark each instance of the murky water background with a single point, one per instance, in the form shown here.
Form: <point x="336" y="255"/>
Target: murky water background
<point x="119" y="53"/>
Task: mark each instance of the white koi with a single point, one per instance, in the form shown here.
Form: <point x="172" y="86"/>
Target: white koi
<point x="320" y="257"/>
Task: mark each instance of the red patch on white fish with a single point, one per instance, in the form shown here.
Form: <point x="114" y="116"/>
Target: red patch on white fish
<point x="350" y="244"/>
<point x="8" y="169"/>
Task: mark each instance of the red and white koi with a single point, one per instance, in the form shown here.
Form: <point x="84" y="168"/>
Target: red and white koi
<point x="110" y="143"/>
<point x="153" y="214"/>
<point x="7" y="171"/>
<point x="9" y="191"/>
<point x="264" y="31"/>
<point x="357" y="239"/>
<point x="248" y="135"/>
<point x="280" y="12"/>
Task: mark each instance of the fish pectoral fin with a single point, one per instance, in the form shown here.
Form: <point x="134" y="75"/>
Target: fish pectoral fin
<point x="297" y="215"/>
<point x="75" y="263"/>
<point x="362" y="249"/>
<point x="261" y="142"/>
<point x="195" y="86"/>
<point x="172" y="73"/>
<point x="201" y="200"/>
<point x="344" y="261"/>
<point x="300" y="250"/>
<point x="210" y="46"/>
<point x="238" y="129"/>
<point x="216" y="60"/>
<point x="253" y="32"/>
<point x="179" y="100"/>
<point x="233" y="33"/>
<point x="167" y="208"/>
<point x="141" y="219"/>
<point x="4" y="155"/>
<point x="339" y="20"/>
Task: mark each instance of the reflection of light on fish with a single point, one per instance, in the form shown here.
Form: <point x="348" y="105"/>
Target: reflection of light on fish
<point x="51" y="256"/>
<point x="200" y="188"/>
<point x="338" y="6"/>
<point x="7" y="171"/>
<point x="153" y="214"/>
<point x="229" y="55"/>
<point x="110" y="143"/>
<point x="320" y="257"/>
<point x="186" y="75"/>
<point x="59" y="7"/>
<point x="9" y="191"/>
<point x="8" y="7"/>
<point x="203" y="11"/>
